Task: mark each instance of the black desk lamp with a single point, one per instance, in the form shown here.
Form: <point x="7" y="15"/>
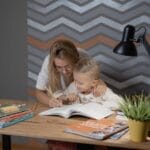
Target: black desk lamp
<point x="126" y="46"/>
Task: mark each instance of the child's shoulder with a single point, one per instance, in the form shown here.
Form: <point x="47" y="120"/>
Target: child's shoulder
<point x="109" y="93"/>
<point x="71" y="86"/>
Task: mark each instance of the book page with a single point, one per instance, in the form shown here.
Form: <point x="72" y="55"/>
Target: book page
<point x="92" y="110"/>
<point x="64" y="111"/>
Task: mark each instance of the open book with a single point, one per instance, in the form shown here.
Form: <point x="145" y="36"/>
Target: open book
<point x="90" y="110"/>
<point x="98" y="129"/>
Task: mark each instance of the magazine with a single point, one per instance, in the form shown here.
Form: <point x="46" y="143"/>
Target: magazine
<point x="119" y="134"/>
<point x="9" y="122"/>
<point x="97" y="129"/>
<point x="14" y="116"/>
<point x="90" y="110"/>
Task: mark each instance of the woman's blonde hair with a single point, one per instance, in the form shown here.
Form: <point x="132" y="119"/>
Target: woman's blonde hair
<point x="88" y="65"/>
<point x="62" y="49"/>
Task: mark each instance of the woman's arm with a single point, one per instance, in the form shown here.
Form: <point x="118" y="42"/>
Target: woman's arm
<point x="43" y="98"/>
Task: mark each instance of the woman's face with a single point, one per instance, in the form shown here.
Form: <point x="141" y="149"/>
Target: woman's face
<point x="64" y="66"/>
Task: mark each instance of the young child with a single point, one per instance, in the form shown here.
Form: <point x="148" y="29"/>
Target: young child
<point x="86" y="76"/>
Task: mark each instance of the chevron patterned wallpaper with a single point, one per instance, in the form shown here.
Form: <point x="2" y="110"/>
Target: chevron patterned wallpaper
<point x="96" y="26"/>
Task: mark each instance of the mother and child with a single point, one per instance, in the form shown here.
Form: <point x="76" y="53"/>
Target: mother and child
<point x="77" y="76"/>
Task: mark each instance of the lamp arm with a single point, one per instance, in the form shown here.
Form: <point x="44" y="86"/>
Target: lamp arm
<point x="142" y="39"/>
<point x="146" y="45"/>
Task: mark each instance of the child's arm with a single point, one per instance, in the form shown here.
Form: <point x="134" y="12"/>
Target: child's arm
<point x="100" y="88"/>
<point x="69" y="98"/>
<point x="70" y="95"/>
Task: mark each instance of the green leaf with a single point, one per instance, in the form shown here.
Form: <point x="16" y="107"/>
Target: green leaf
<point x="136" y="107"/>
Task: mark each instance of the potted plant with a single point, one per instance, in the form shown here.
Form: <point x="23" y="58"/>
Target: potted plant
<point x="137" y="109"/>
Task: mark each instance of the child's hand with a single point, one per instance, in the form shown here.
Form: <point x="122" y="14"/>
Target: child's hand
<point x="72" y="97"/>
<point x="62" y="98"/>
<point x="68" y="99"/>
<point x="53" y="102"/>
<point x="100" y="89"/>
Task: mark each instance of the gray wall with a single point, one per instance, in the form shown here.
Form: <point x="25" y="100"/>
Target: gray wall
<point x="96" y="26"/>
<point x="13" y="54"/>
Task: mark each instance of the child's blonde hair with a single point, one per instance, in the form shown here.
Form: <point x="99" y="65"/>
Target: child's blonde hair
<point x="63" y="49"/>
<point x="88" y="65"/>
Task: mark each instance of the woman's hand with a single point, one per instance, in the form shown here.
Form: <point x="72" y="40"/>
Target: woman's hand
<point x="53" y="102"/>
<point x="99" y="89"/>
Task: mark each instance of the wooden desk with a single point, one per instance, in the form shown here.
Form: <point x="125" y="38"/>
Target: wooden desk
<point x="48" y="127"/>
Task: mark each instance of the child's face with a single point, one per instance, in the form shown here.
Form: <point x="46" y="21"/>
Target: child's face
<point x="83" y="82"/>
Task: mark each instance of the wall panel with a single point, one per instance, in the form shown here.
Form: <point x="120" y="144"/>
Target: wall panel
<point x="96" y="26"/>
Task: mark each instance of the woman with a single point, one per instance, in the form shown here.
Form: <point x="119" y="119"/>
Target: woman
<point x="57" y="72"/>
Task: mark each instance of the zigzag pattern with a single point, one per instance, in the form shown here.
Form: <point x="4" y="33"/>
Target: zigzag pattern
<point x="83" y="28"/>
<point x="87" y="44"/>
<point x="83" y="19"/>
<point x="80" y="37"/>
<point x="95" y="26"/>
<point x="47" y="8"/>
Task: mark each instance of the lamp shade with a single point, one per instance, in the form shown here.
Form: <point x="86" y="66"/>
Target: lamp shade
<point x="126" y="46"/>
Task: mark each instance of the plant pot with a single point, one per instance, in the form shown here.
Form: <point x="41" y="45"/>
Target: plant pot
<point x="138" y="130"/>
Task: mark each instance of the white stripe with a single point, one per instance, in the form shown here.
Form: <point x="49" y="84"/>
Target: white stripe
<point x="82" y="9"/>
<point x="32" y="75"/>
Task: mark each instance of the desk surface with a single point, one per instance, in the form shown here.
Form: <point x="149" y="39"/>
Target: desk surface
<point x="48" y="127"/>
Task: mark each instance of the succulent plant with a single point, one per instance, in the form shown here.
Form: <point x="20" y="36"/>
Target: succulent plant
<point x="136" y="107"/>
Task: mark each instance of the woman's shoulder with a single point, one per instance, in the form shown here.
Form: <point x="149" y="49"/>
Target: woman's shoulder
<point x="45" y="63"/>
<point x="46" y="59"/>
